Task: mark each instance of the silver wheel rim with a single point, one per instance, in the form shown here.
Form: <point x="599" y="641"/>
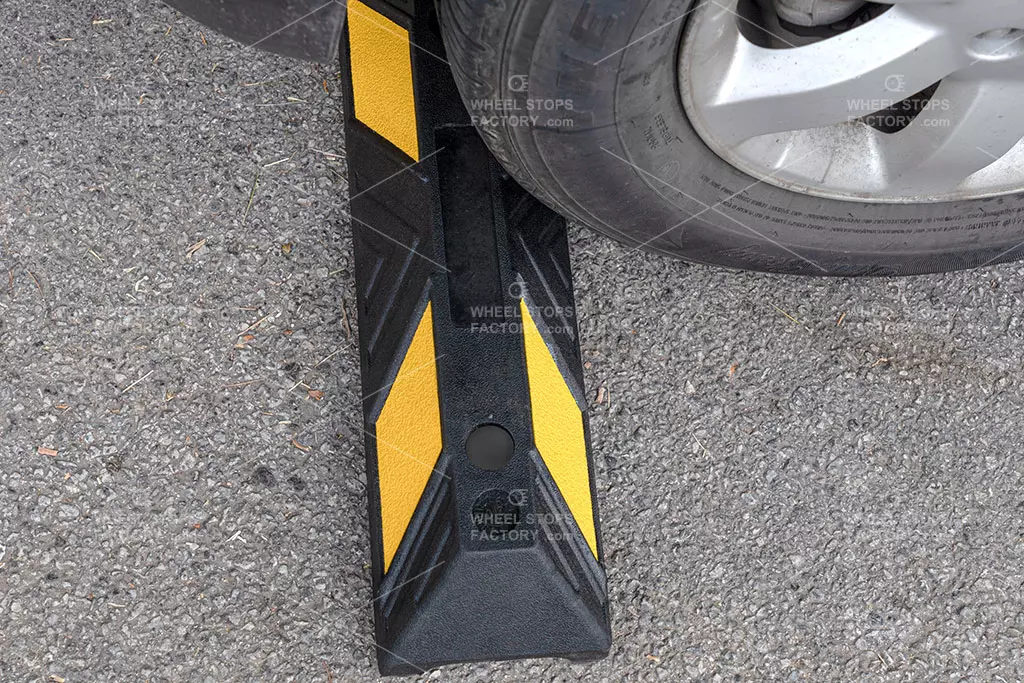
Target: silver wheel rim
<point x="794" y="117"/>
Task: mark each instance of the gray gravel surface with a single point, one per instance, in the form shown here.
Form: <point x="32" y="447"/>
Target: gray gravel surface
<point x="799" y="479"/>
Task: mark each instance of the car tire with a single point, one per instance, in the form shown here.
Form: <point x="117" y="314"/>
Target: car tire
<point x="579" y="100"/>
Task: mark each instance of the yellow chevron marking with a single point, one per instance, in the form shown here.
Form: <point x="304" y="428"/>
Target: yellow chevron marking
<point x="382" y="77"/>
<point x="558" y="428"/>
<point x="408" y="437"/>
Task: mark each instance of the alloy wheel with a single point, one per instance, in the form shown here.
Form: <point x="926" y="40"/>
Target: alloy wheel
<point x="911" y="101"/>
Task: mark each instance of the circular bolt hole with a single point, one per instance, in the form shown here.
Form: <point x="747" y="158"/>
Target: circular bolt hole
<point x="1000" y="43"/>
<point x="490" y="447"/>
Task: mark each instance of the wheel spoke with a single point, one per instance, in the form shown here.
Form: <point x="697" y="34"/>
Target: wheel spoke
<point x="970" y="125"/>
<point x="763" y="90"/>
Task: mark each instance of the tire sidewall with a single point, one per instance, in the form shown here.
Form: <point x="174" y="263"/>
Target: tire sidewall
<point x="611" y="145"/>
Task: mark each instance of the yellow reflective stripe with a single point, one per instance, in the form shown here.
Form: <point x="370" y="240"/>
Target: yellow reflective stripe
<point x="382" y="77"/>
<point x="408" y="437"/>
<point x="558" y="428"/>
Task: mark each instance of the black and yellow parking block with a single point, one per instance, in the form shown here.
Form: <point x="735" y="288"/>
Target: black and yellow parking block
<point x="484" y="531"/>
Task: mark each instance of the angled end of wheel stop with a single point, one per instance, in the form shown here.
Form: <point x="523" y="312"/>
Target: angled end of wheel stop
<point x="483" y="521"/>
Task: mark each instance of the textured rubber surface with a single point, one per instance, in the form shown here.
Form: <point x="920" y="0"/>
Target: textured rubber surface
<point x="468" y="563"/>
<point x="578" y="99"/>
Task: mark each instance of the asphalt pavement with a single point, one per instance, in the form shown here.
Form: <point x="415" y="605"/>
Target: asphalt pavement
<point x="799" y="479"/>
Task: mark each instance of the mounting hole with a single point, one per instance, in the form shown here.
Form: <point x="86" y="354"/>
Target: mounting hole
<point x="490" y="447"/>
<point x="998" y="44"/>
